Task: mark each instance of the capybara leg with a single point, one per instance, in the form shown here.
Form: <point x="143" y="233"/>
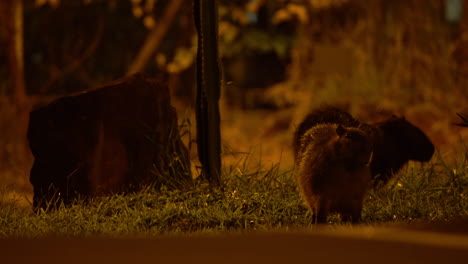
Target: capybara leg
<point x="351" y="212"/>
<point x="353" y="218"/>
<point x="322" y="211"/>
<point x="321" y="218"/>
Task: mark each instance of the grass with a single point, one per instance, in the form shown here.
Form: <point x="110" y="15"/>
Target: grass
<point x="433" y="192"/>
<point x="253" y="199"/>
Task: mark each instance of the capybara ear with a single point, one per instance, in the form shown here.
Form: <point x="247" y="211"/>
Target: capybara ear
<point x="340" y="130"/>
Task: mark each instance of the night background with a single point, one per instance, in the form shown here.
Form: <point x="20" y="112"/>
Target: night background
<point x="279" y="60"/>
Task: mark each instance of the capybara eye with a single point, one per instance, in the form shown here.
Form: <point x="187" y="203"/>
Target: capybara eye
<point x="340" y="130"/>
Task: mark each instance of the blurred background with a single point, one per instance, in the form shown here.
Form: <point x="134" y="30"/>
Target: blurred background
<point x="280" y="59"/>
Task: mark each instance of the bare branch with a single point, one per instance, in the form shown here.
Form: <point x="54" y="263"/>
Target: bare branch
<point x="155" y="37"/>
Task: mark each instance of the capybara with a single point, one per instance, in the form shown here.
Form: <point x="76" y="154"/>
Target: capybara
<point x="333" y="171"/>
<point x="396" y="141"/>
<point x="324" y="115"/>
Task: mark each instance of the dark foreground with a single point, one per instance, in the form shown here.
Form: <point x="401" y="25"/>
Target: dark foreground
<point x="358" y="245"/>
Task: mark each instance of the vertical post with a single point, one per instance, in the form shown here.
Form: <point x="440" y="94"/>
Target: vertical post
<point x="208" y="90"/>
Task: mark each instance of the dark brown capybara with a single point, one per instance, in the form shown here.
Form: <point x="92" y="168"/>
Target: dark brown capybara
<point x="333" y="171"/>
<point x="396" y="141"/>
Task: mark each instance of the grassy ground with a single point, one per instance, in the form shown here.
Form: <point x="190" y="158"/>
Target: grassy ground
<point x="253" y="199"/>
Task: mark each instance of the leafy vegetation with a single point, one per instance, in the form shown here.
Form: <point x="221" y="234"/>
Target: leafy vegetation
<point x="253" y="199"/>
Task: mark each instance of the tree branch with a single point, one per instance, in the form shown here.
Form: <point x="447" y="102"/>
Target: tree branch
<point x="155" y="37"/>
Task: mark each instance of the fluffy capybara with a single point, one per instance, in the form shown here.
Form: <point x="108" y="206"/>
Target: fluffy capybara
<point x="396" y="141"/>
<point x="324" y="115"/>
<point x="333" y="171"/>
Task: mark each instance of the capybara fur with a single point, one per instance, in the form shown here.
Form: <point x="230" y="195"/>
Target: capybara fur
<point x="333" y="171"/>
<point x="325" y="115"/>
<point x="396" y="141"/>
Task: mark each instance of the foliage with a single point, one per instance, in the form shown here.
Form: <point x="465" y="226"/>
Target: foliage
<point x="406" y="43"/>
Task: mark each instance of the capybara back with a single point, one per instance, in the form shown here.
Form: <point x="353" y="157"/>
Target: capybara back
<point x="333" y="170"/>
<point x="396" y="141"/>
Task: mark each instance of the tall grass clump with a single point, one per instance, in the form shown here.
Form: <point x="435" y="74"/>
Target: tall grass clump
<point x="436" y="191"/>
